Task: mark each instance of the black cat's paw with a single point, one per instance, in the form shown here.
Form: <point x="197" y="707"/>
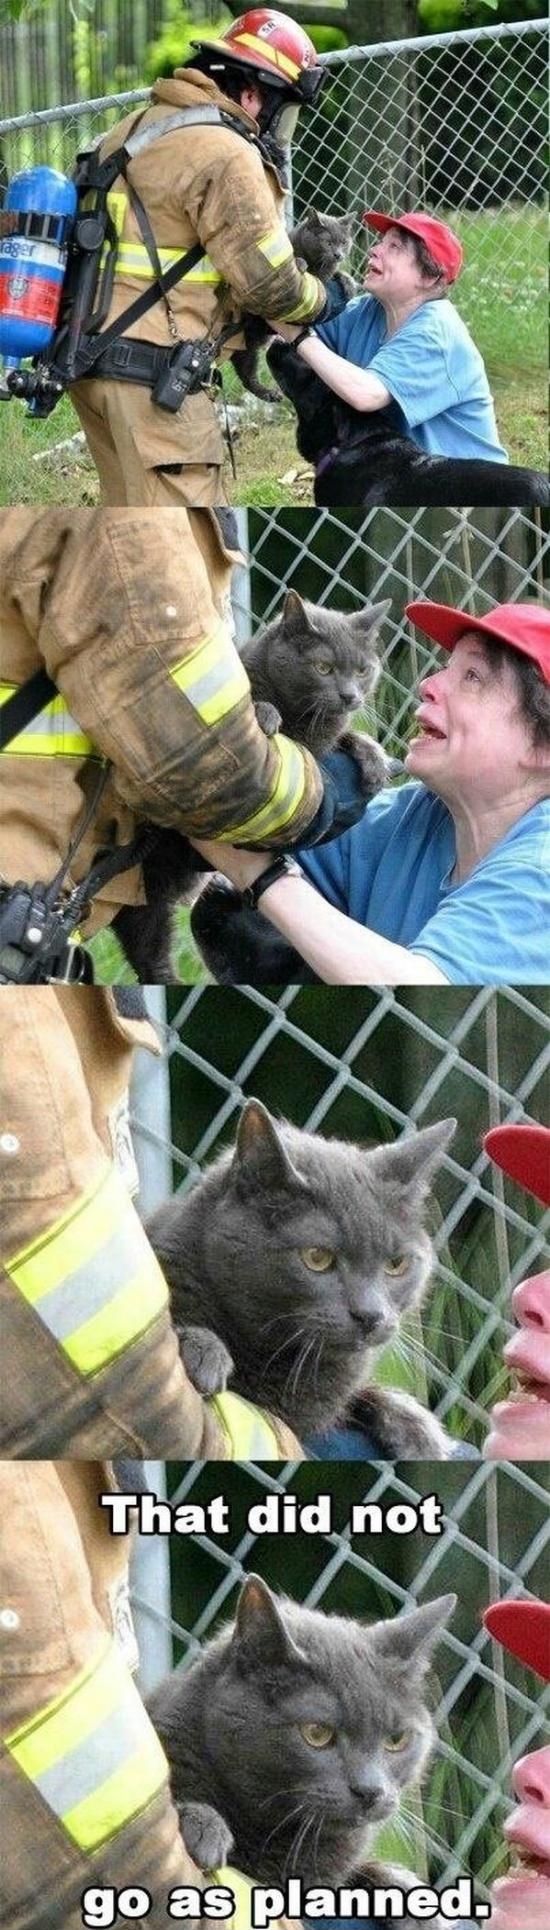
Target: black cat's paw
<point x="374" y="764"/>
<point x="206" y="1836"/>
<point x="206" y="1358"/>
<point x="268" y="717"/>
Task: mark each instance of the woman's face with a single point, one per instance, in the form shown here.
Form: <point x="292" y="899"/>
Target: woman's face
<point x="472" y="743"/>
<point x="392" y="272"/>
<point x="521" y="1900"/>
<point x="520" y="1425"/>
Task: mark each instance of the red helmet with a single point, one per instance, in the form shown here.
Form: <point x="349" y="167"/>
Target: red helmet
<point x="281" y="54"/>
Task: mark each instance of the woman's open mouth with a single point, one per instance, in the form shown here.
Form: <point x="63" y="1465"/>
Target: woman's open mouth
<point x="528" y="1356"/>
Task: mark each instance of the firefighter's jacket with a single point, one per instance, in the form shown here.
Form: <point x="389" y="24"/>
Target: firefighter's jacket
<point x="90" y="1359"/>
<point x="211" y="185"/>
<point x="84" y="1791"/>
<point x="127" y="611"/>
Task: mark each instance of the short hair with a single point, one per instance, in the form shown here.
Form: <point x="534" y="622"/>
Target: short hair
<point x="432" y="270"/>
<point x="532" y="690"/>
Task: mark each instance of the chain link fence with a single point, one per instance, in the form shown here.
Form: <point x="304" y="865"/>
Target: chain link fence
<point x="489" y="1710"/>
<point x="454" y="122"/>
<point x="365" y="1066"/>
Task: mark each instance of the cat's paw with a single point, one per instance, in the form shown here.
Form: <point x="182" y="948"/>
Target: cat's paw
<point x="206" y="1836"/>
<point x="268" y="717"/>
<point x="374" y="764"/>
<point x="207" y="1360"/>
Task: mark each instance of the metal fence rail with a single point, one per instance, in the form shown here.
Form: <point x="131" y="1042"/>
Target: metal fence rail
<point x="455" y="122"/>
<point x="364" y="1066"/>
<point x="494" y="1543"/>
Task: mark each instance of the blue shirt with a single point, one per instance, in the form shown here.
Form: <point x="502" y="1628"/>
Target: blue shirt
<point x="432" y="369"/>
<point x="391" y="872"/>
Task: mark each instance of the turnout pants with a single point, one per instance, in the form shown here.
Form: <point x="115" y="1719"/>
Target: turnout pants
<point x="147" y="459"/>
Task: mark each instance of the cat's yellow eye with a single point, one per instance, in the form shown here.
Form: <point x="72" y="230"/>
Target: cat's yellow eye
<point x="396" y="1268"/>
<point x="318" y="1734"/>
<point x="317" y="1258"/>
<point x="322" y="666"/>
<point x="397" y="1742"/>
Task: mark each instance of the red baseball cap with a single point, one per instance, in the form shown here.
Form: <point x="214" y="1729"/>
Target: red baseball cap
<point x="440" y="240"/>
<point x="525" y="625"/>
<point x="524" y="1153"/>
<point x="524" y="1629"/>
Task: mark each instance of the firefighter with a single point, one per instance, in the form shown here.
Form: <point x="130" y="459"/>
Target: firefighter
<point x="219" y="182"/>
<point x="126" y="611"/>
<point x="85" y="1798"/>
<point x="91" y="1362"/>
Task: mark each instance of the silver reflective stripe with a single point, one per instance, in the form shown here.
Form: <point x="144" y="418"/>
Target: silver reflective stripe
<point x="78" y="1774"/>
<point x="186" y="117"/>
<point x="82" y="1293"/>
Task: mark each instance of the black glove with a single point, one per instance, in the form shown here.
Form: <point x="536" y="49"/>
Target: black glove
<point x="343" y="799"/>
<point x="337" y="297"/>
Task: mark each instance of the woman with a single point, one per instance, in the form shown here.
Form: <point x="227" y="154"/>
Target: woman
<point x="521" y="1899"/>
<point x="447" y="879"/>
<point x="403" y="342"/>
<point x="520" y="1425"/>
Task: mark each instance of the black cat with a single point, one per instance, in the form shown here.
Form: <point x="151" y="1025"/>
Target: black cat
<point x="290" y="1265"/>
<point x="293" y="1736"/>
<point x="363" y="459"/>
<point x="309" y="669"/>
<point x="320" y="243"/>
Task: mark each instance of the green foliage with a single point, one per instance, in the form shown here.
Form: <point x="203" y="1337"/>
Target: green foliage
<point x="173" y="47"/>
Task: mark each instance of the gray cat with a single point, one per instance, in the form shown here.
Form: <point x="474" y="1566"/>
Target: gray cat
<point x="309" y="670"/>
<point x="290" y="1265"/>
<point x="320" y="243"/>
<point x="292" y="1738"/>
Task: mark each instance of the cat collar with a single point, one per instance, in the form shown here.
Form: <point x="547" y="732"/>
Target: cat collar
<point x="283" y="866"/>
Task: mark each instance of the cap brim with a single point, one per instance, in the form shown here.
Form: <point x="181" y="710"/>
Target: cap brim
<point x="381" y="221"/>
<point x="444" y="625"/>
<point x="524" y="1153"/>
<point x="524" y="1629"/>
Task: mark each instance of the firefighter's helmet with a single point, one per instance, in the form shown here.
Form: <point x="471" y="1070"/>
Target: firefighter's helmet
<point x="278" y="50"/>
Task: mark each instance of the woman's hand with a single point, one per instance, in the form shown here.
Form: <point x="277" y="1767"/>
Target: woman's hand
<point x="241" y="867"/>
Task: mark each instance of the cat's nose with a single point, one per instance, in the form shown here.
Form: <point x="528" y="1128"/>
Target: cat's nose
<point x="351" y="695"/>
<point x="376" y="1321"/>
<point x="373" y="1793"/>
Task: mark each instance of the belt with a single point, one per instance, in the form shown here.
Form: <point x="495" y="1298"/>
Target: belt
<point x="129" y="361"/>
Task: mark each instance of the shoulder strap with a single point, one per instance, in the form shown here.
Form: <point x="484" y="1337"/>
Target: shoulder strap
<point x="24" y="705"/>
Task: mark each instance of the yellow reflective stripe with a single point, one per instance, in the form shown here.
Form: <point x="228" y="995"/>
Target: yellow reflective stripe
<point x="242" y="1892"/>
<point x="93" y="1754"/>
<point x="272" y="56"/>
<point x="250" y="1436"/>
<point x="276" y="246"/>
<point x="133" y="259"/>
<point x="284" y="801"/>
<point x="92" y="1278"/>
<point x="52" y="733"/>
<point x="308" y="303"/>
<point x="212" y="676"/>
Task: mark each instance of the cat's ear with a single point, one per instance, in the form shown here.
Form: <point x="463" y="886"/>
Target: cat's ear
<point x="260" y="1158"/>
<point x="410" y="1638"/>
<point x="412" y="1160"/>
<point x="369" y="621"/>
<point x="295" y="615"/>
<point x="260" y="1637"/>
